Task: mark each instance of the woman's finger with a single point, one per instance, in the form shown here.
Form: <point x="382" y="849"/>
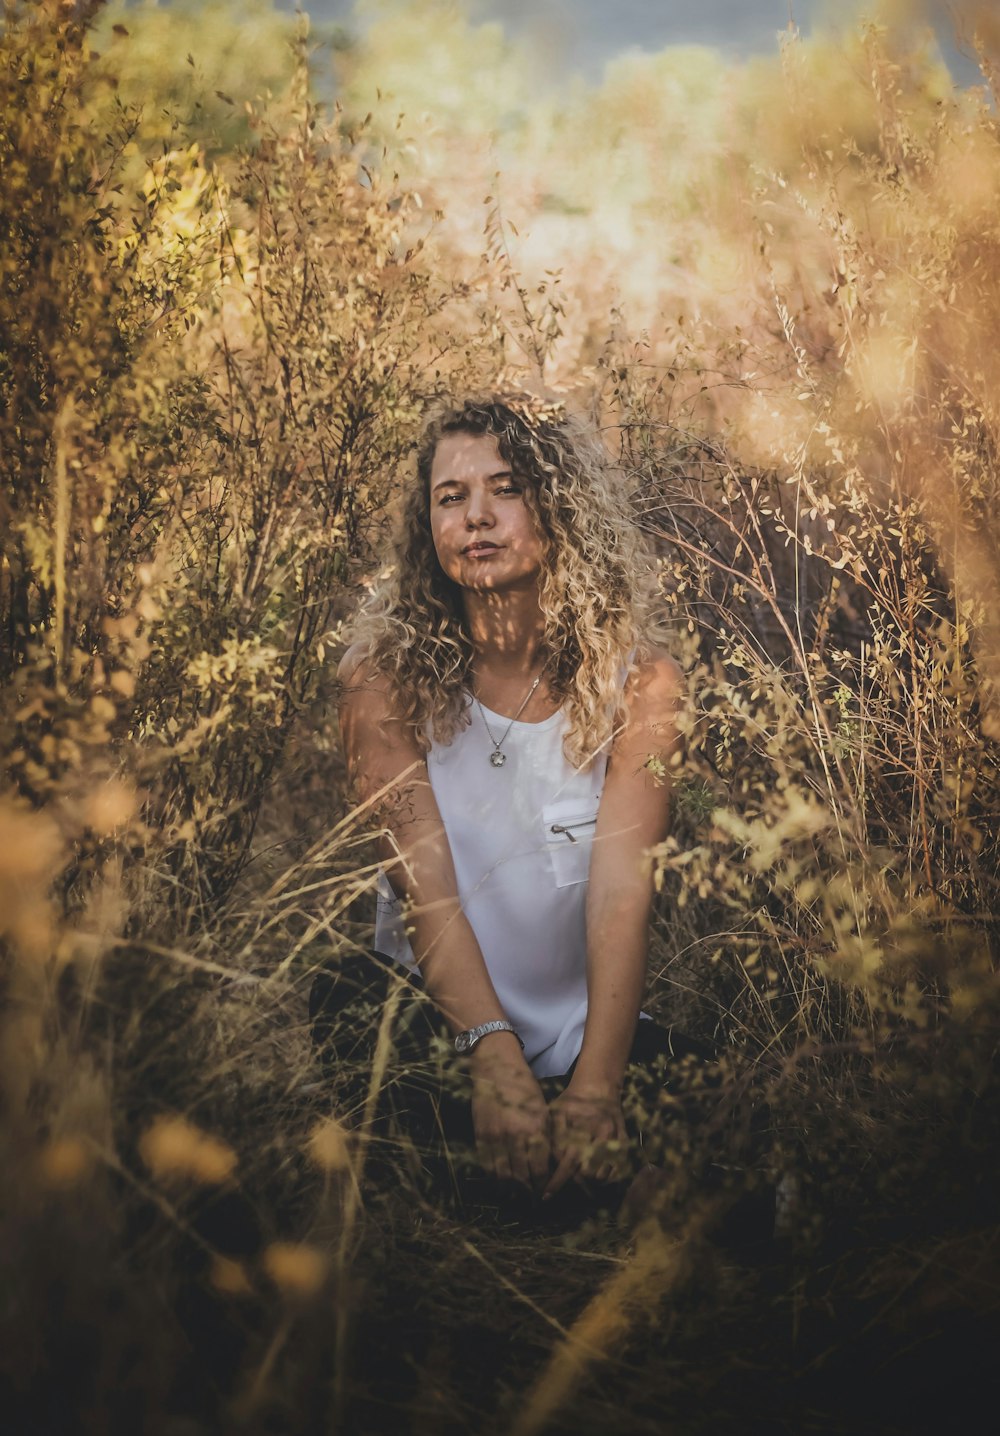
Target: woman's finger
<point x="599" y="1154"/>
<point x="490" y="1152"/>
<point x="501" y="1165"/>
<point x="517" y="1160"/>
<point x="568" y="1167"/>
<point x="539" y="1158"/>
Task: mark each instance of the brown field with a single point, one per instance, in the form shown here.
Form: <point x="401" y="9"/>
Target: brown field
<point x="224" y="307"/>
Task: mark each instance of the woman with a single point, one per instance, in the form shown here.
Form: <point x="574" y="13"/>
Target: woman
<point x="506" y="709"/>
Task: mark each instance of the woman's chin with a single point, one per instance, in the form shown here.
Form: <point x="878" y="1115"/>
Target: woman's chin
<point x="496" y="578"/>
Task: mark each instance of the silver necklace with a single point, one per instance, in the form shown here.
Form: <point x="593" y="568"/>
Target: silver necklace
<point x="498" y="758"/>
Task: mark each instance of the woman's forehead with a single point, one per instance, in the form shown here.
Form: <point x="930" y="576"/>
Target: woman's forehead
<point x="459" y="456"/>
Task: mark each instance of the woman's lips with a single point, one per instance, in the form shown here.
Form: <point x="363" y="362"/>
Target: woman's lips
<point x="486" y="551"/>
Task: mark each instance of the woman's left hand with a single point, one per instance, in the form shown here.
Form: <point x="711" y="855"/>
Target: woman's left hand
<point x="585" y="1120"/>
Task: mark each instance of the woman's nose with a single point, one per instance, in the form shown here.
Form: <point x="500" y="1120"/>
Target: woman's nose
<point x="478" y="512"/>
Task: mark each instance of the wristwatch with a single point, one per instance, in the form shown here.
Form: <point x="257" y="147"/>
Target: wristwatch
<point x="465" y="1041"/>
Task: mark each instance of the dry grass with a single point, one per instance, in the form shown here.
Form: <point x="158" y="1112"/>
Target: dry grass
<point x="213" y="361"/>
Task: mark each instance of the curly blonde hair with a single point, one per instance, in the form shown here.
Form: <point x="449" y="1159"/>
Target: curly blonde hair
<point x="596" y="592"/>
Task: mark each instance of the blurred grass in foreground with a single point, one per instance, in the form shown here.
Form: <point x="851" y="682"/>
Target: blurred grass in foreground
<point x="776" y="286"/>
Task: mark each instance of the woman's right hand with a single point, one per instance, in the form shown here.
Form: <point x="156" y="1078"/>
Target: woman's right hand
<point x="509" y="1112"/>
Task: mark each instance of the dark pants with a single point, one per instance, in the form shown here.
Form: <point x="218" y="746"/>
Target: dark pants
<point x="425" y="1095"/>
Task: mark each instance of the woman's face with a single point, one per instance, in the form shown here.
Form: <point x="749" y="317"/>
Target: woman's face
<point x="483" y="530"/>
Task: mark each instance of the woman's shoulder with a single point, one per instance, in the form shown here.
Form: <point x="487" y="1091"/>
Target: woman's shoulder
<point x="657" y="673"/>
<point x="370" y="712"/>
<point x="356" y="665"/>
<point x="363" y="685"/>
<point x="655" y="688"/>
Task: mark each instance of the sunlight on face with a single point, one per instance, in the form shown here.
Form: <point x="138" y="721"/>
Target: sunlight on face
<point x="483" y="531"/>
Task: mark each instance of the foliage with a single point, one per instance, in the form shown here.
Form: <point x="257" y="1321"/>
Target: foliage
<point x="193" y="67"/>
<point x="220" y="319"/>
<point x="204" y="408"/>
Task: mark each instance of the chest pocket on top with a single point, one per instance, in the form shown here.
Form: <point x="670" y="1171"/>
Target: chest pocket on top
<point x="569" y="835"/>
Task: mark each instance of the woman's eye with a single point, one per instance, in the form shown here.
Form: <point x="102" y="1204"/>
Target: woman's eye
<point x="509" y="489"/>
<point x="450" y="498"/>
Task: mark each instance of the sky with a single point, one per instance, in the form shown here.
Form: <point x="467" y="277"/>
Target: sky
<point x="582" y="35"/>
<point x="591" y="31"/>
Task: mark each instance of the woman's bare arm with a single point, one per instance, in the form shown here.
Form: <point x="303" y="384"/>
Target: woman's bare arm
<point x="633" y="817"/>
<point x="387" y="768"/>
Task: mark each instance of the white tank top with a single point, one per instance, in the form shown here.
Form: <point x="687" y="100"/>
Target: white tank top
<point x="521" y="838"/>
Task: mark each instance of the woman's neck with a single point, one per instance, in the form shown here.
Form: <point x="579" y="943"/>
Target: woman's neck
<point x="506" y="631"/>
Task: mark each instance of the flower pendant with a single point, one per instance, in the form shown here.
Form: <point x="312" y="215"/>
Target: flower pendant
<point x="497" y="758"/>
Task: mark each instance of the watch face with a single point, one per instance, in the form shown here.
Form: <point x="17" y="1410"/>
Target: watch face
<point x="463" y="1042"/>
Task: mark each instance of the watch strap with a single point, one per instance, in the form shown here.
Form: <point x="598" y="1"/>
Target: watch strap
<point x="466" y="1041"/>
